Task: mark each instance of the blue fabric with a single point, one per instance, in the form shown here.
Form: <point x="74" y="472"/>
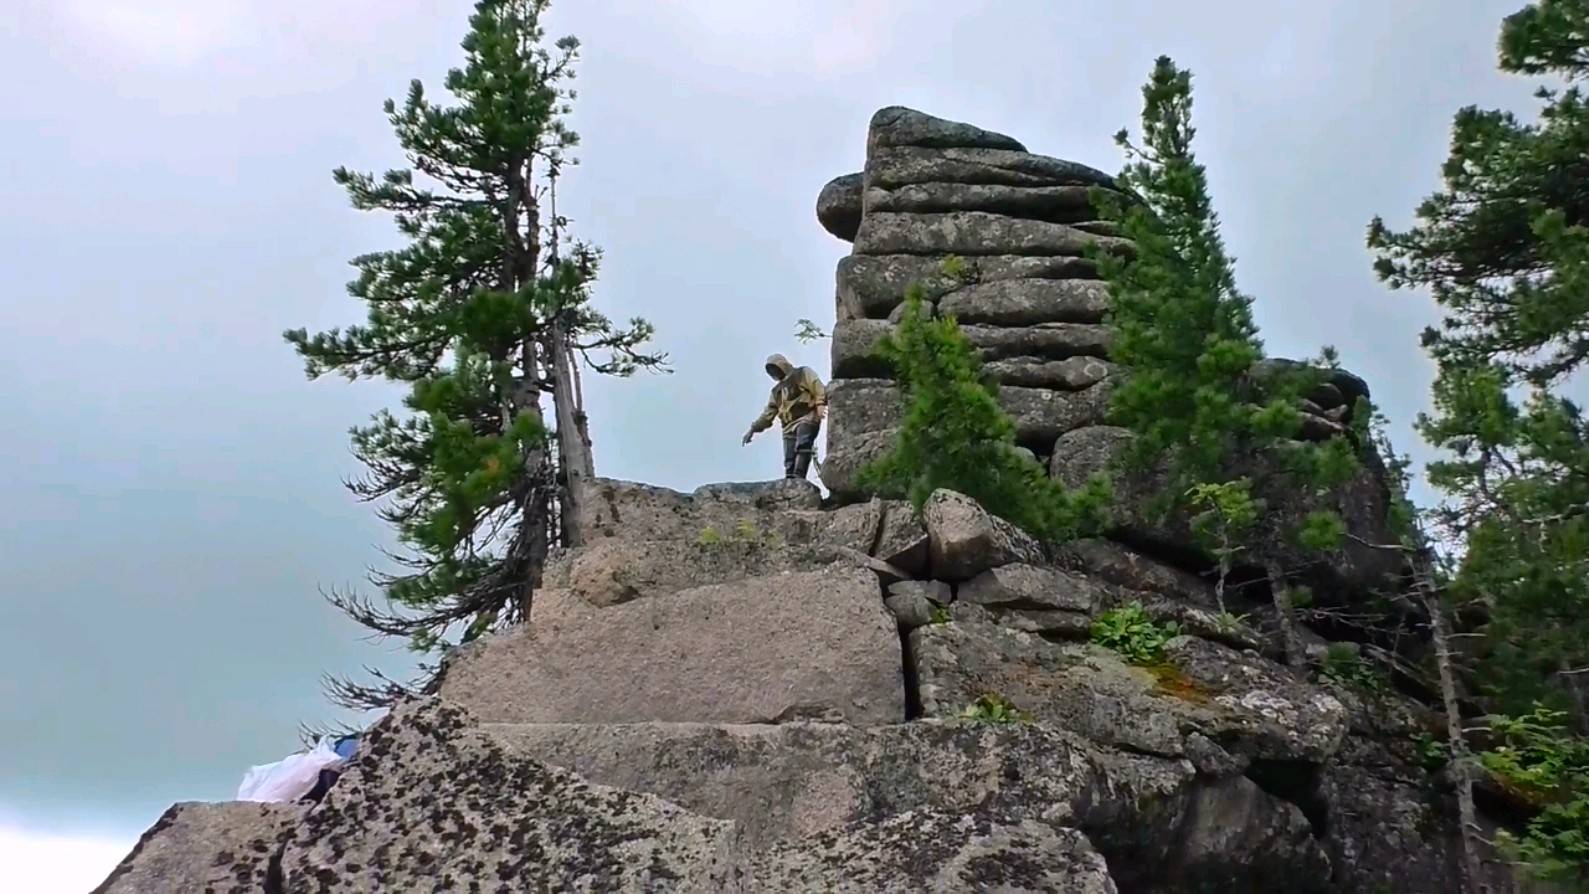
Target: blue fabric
<point x="345" y="746"/>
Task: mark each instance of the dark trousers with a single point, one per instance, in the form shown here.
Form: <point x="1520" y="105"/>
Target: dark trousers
<point x="799" y="445"/>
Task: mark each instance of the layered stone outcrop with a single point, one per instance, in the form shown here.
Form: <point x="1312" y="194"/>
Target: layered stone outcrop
<point x="791" y="728"/>
<point x="1028" y="299"/>
<point x="1027" y="296"/>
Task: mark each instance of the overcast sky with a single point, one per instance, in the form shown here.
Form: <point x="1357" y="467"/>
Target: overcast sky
<point x="170" y="481"/>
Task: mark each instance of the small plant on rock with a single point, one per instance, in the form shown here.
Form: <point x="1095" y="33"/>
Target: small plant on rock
<point x="1131" y="632"/>
<point x="1433" y="754"/>
<point x="1224" y="512"/>
<point x="1229" y="624"/>
<point x="709" y="537"/>
<point x="1344" y="666"/>
<point x="992" y="709"/>
<point x="960" y="270"/>
<point x="940" y="615"/>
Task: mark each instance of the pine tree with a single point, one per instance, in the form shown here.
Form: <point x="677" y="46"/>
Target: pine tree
<point x="1186" y="345"/>
<point x="955" y="435"/>
<point x="1503" y="247"/>
<point x="483" y="312"/>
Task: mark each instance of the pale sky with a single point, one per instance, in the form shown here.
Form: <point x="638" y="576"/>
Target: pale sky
<point x="172" y="482"/>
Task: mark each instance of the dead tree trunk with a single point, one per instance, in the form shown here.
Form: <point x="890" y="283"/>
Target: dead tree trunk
<point x="1461" y="755"/>
<point x="573" y="445"/>
<point x="1296" y="657"/>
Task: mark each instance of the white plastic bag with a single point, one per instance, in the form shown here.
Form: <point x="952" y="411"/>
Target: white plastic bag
<point x="290" y="778"/>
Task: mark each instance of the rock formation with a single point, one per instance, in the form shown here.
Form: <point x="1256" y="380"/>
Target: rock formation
<point x="1031" y="303"/>
<point x="746" y="689"/>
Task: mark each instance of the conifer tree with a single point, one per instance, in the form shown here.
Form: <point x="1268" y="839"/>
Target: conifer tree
<point x="1504" y="248"/>
<point x="483" y="313"/>
<point x="1186" y="346"/>
<point x="956" y="436"/>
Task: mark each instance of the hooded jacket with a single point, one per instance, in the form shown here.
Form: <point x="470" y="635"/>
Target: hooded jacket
<point x="797" y="396"/>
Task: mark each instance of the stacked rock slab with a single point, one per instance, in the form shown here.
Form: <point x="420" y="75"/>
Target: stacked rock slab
<point x="1029" y="300"/>
<point x="1026" y="295"/>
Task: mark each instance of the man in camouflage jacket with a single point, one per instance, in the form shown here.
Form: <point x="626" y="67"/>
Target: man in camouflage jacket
<point x="799" y="403"/>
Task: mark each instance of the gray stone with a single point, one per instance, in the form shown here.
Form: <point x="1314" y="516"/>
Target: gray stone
<point x="1348" y="386"/>
<point x="841" y="467"/>
<point x="912" y="602"/>
<point x="625" y="508"/>
<point x="1059" y="204"/>
<point x="967" y="540"/>
<point x="839" y="206"/>
<point x="1027" y="302"/>
<point x="1084" y="452"/>
<point x="1029" y="586"/>
<point x="1246" y="702"/>
<point x="900" y="126"/>
<point x="615" y="570"/>
<point x="1212" y="760"/>
<point x="860" y="406"/>
<point x="1041" y="415"/>
<point x="1387" y="835"/>
<point x="940" y="852"/>
<point x="895" y="166"/>
<point x="793" y="781"/>
<point x="1356" y="568"/>
<point x="855" y="341"/>
<point x="206" y="847"/>
<point x="902" y="540"/>
<point x="1073" y="374"/>
<point x="1127" y="568"/>
<point x="734" y="653"/>
<point x="871" y="286"/>
<point x="973" y="233"/>
<point x="433" y="803"/>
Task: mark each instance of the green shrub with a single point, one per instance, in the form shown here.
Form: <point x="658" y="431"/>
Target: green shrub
<point x="1129" y="631"/>
<point x="1541" y="759"/>
<point x="994" y="710"/>
<point x="1342" y="665"/>
<point x="954" y="435"/>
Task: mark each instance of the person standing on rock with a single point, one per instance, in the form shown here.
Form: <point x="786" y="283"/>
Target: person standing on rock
<point x="799" y="402"/>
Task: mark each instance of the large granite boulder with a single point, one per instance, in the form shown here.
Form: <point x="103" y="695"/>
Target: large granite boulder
<point x="732" y="653"/>
<point x="1248" y="704"/>
<point x="612" y="570"/>
<point x="938" y="852"/>
<point x="625" y="508"/>
<point x="435" y="804"/>
<point x="206" y="847"/>
<point x="966" y="540"/>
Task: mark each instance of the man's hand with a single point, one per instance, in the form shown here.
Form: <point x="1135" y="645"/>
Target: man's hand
<point x="748" y="436"/>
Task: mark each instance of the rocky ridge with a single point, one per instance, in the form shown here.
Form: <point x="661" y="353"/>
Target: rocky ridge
<point x="747" y="688"/>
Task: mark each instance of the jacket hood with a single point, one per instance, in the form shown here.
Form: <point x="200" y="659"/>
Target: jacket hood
<point x="779" y="367"/>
